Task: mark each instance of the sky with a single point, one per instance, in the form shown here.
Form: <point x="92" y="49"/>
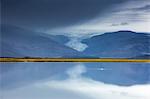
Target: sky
<point x="132" y="15"/>
<point x="77" y="18"/>
<point x="75" y="80"/>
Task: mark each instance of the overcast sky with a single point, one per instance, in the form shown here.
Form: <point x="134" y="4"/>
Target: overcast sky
<point x="132" y="15"/>
<point x="77" y="17"/>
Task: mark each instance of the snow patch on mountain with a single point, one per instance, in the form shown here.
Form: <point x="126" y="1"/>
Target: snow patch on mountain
<point x="76" y="44"/>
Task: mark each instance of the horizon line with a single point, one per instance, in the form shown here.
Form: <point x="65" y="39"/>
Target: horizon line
<point x="73" y="60"/>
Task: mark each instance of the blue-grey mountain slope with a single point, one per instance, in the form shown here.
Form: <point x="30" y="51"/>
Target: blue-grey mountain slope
<point x="18" y="42"/>
<point x="121" y="44"/>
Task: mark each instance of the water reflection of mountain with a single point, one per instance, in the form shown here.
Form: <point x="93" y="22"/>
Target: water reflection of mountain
<point x="21" y="74"/>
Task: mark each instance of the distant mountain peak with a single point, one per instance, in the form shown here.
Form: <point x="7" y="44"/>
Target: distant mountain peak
<point x="120" y="44"/>
<point x="123" y="31"/>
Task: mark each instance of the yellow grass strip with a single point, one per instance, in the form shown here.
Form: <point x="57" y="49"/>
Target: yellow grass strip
<point x="72" y="60"/>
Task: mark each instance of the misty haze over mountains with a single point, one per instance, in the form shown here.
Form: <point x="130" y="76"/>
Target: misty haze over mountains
<point x="18" y="42"/>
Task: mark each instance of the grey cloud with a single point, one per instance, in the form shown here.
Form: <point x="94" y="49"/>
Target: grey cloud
<point x="120" y="24"/>
<point x="124" y="23"/>
<point x="144" y="8"/>
<point x="52" y="13"/>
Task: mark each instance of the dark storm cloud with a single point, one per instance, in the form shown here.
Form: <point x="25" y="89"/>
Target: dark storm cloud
<point x="52" y="13"/>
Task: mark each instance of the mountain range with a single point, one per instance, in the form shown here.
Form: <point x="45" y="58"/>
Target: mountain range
<point x="20" y="42"/>
<point x="120" y="44"/>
